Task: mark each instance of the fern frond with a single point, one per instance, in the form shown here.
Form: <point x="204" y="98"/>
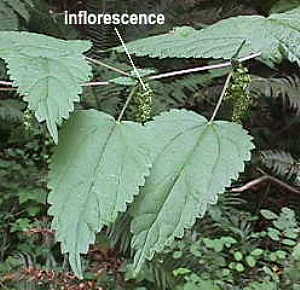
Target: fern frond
<point x="281" y="163"/>
<point x="174" y="94"/>
<point x="288" y="88"/>
<point x="119" y="233"/>
<point x="3" y="74"/>
<point x="20" y="7"/>
<point x="102" y="36"/>
<point x="10" y="111"/>
<point x="161" y="273"/>
<point x="9" y="20"/>
<point x="106" y="98"/>
<point x="10" y="11"/>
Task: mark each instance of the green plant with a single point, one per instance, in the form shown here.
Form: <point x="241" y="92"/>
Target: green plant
<point x="171" y="128"/>
<point x="285" y="229"/>
<point x="239" y="255"/>
<point x="282" y="164"/>
<point x="292" y="271"/>
<point x="102" y="164"/>
<point x="57" y="72"/>
<point x="285" y="87"/>
<point x="277" y="40"/>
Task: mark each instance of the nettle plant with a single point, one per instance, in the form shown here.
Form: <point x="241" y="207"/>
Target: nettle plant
<point x="171" y="167"/>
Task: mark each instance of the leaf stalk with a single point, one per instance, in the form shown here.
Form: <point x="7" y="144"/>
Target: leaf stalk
<point x="227" y="82"/>
<point x="127" y="103"/>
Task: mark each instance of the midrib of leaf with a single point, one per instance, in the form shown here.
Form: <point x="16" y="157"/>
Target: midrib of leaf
<point x="62" y="178"/>
<point x="178" y="175"/>
<point x="52" y="123"/>
<point x="88" y="195"/>
<point x="218" y="157"/>
<point x="50" y="128"/>
<point x="120" y="175"/>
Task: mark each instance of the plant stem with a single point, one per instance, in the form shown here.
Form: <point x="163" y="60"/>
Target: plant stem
<point x="96" y="61"/>
<point x="127" y="103"/>
<point x="164" y="75"/>
<point x="265" y="177"/>
<point x="279" y="182"/>
<point x="250" y="184"/>
<point x="5" y="83"/>
<point x="201" y="68"/>
<point x="221" y="97"/>
<point x="96" y="84"/>
<point x="8" y="89"/>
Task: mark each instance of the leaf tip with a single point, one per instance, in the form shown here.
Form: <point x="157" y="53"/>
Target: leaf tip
<point x="75" y="263"/>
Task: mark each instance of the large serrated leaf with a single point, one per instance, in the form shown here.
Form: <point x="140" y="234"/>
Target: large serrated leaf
<point x="196" y="161"/>
<point x="49" y="73"/>
<point x="96" y="169"/>
<point x="276" y="36"/>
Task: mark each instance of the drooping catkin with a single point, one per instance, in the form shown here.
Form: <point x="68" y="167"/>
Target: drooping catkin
<point x="143" y="102"/>
<point x="238" y="92"/>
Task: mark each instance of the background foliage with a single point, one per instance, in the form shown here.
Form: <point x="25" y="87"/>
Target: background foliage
<point x="254" y="236"/>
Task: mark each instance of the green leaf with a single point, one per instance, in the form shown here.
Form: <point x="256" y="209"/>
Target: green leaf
<point x="226" y="272"/>
<point x="232" y="265"/>
<point x="271" y="273"/>
<point x="196" y="250"/>
<point x="273" y="257"/>
<point x="274" y="234"/>
<point x="177" y="254"/>
<point x="238" y="256"/>
<point x="251" y="261"/>
<point x="276" y="36"/>
<point x="269" y="215"/>
<point x="215" y="244"/>
<point x="262" y="286"/>
<point x="97" y="168"/>
<point x="39" y="195"/>
<point x="257" y="252"/>
<point x="240" y="267"/>
<point x="229" y="241"/>
<point x="290" y="235"/>
<point x="296" y="252"/>
<point x="181" y="271"/>
<point x="49" y="73"/>
<point x="288" y="242"/>
<point x="287" y="221"/>
<point x="195" y="161"/>
<point x="281" y="254"/>
<point x="21" y="225"/>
